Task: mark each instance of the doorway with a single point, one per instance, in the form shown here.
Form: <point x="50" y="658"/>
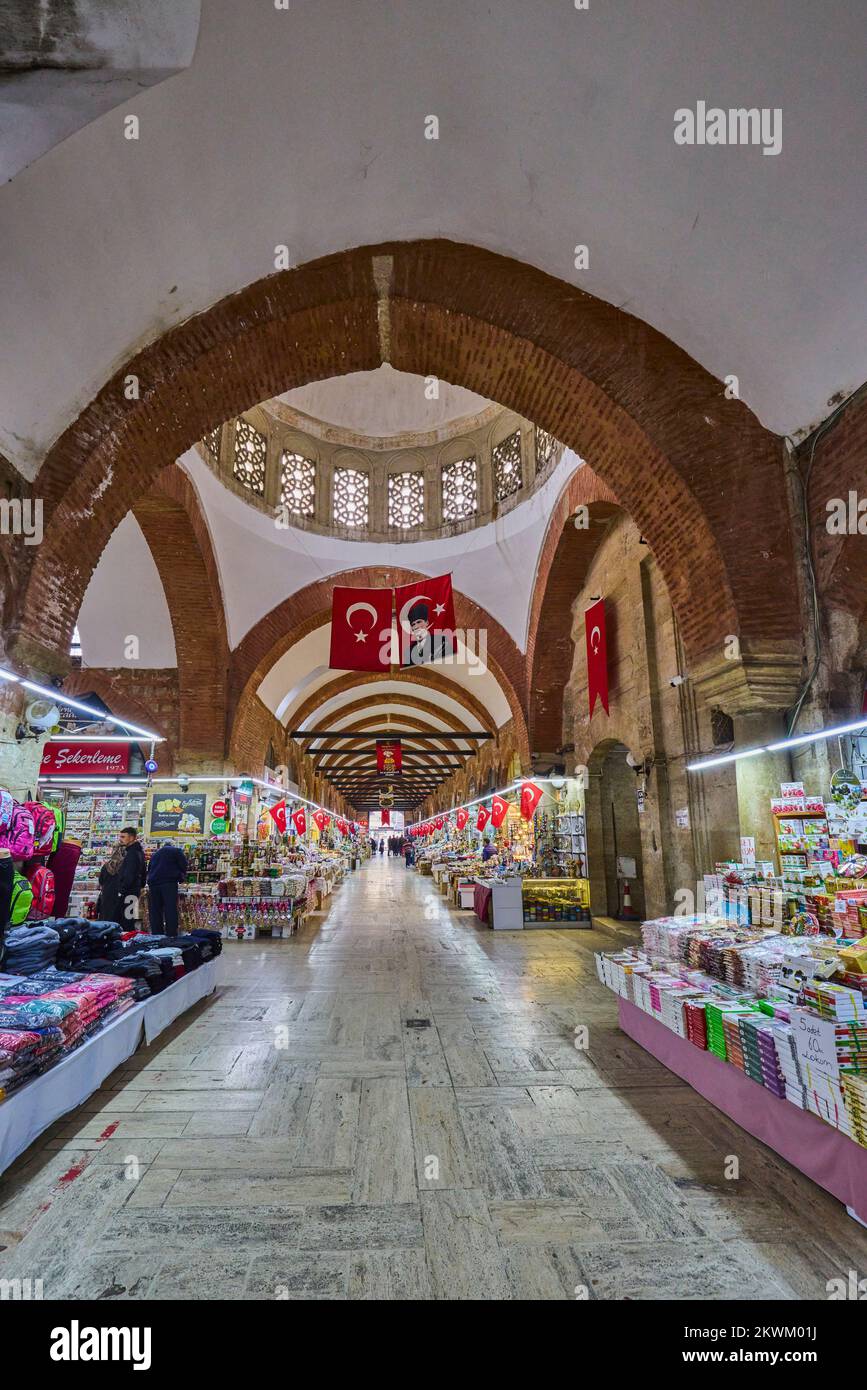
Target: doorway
<point x="614" y="832"/>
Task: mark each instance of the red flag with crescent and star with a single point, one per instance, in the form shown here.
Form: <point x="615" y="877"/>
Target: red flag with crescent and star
<point x="499" y="807"/>
<point x="462" y="817"/>
<point x="360" y="629"/>
<point x="342" y="826"/>
<point x="482" y="818"/>
<point x="320" y="818"/>
<point x="424" y="608"/>
<point x="597" y="654"/>
<point x="385" y="817"/>
<point x="531" y="795"/>
<point x="278" y="815"/>
<point x="299" y="820"/>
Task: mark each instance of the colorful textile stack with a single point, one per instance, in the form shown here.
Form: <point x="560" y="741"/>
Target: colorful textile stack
<point x="24" y="1054"/>
<point x="31" y="947"/>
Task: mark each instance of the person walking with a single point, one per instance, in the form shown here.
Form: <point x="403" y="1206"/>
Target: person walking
<point x="121" y="879"/>
<point x="168" y="868"/>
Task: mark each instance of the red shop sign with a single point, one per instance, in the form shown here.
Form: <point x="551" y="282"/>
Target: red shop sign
<point x="73" y="758"/>
<point x="219" y="810"/>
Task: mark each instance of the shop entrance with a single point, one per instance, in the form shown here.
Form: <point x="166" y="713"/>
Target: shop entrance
<point x="613" y="832"/>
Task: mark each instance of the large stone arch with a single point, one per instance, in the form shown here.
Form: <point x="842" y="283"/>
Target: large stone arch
<point x="694" y="469"/>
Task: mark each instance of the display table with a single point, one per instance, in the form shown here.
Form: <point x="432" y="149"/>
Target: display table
<point x="482" y="900"/>
<point x="40" y="1102"/>
<point x="832" y="1160"/>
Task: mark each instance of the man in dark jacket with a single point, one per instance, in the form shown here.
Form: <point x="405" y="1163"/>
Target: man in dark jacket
<point x="168" y="868"/>
<point x="121" y="880"/>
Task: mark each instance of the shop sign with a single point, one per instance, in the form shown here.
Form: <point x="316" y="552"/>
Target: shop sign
<point x="220" y="810"/>
<point x="178" y="815"/>
<point x="219" y="826"/>
<point x="70" y="759"/>
<point x="816" y="1044"/>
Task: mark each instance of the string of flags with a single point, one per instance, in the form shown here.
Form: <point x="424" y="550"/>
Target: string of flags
<point x="528" y="799"/>
<point x="321" y="819"/>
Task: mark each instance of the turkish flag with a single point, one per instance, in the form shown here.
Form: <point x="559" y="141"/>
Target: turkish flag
<point x="462" y="817"/>
<point x="482" y="818"/>
<point x="299" y="820"/>
<point x="597" y="654"/>
<point x="342" y="826"/>
<point x="278" y="815"/>
<point x="320" y="818"/>
<point x="531" y="795"/>
<point x="499" y="807"/>
<point x="424" y="608"/>
<point x="327" y="819"/>
<point x="385" y="818"/>
<point x="360" y="628"/>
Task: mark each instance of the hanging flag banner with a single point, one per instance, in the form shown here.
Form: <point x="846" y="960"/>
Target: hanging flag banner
<point x="320" y="818"/>
<point x="531" y="795"/>
<point x="440" y="822"/>
<point x="299" y="820"/>
<point x="277" y="813"/>
<point x="385" y="816"/>
<point x="462" y="817"/>
<point x="389" y="757"/>
<point x="597" y="654"/>
<point x="499" y="808"/>
<point x="482" y="818"/>
<point x="425" y="620"/>
<point x="342" y="826"/>
<point x="360" y="629"/>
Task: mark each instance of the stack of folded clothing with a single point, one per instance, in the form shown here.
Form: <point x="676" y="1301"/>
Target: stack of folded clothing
<point x="30" y="948"/>
<point x="210" y="941"/>
<point x="24" y="1054"/>
<point x="89" y="940"/>
<point x="173" y="956"/>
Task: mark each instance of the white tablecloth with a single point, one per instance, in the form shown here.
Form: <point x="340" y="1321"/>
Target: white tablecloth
<point x="40" y="1102"/>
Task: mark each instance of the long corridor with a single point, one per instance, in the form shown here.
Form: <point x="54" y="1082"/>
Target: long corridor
<point x="392" y="1106"/>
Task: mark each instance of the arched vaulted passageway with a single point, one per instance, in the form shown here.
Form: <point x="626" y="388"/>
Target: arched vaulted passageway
<point x="687" y="463"/>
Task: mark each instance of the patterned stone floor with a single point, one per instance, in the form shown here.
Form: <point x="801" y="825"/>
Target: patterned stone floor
<point x="293" y="1137"/>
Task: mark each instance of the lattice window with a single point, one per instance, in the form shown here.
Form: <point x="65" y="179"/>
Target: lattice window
<point x="405" y="500"/>
<point x="351" y="494"/>
<point x="248" y="465"/>
<point x="546" y="447"/>
<point x="507" y="466"/>
<point x="460" y="490"/>
<point x="212" y="443"/>
<point x="297" y="484"/>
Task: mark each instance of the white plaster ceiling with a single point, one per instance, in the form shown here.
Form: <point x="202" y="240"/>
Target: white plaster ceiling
<point x="260" y="564"/>
<point x="304" y="127"/>
<point x="124" y="599"/>
<point x="384" y="403"/>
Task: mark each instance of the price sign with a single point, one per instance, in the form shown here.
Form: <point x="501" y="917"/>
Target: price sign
<point x="815" y="1040"/>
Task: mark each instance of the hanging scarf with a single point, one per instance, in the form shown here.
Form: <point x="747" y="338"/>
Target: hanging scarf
<point x="111" y="867"/>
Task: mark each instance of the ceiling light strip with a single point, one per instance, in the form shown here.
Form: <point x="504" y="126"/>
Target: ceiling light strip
<point x="819" y="736"/>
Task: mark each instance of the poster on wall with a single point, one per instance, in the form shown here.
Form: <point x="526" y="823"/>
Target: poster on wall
<point x="389" y="757"/>
<point x="178" y="815"/>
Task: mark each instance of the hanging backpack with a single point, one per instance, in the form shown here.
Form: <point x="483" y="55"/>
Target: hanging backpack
<point x="22" y="900"/>
<point x="59" y="827"/>
<point x="44" y="826"/>
<point x="41" y="882"/>
<point x="18" y="837"/>
<point x="7" y="804"/>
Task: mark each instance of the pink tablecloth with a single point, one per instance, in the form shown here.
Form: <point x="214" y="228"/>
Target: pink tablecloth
<point x="482" y="901"/>
<point x="834" y="1162"/>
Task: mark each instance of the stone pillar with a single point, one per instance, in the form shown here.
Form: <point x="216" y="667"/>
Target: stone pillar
<point x="759" y="778"/>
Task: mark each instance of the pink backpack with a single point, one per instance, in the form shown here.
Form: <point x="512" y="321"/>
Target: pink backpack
<point x="42" y="883"/>
<point x="18" y="837"/>
<point x="44" y="825"/>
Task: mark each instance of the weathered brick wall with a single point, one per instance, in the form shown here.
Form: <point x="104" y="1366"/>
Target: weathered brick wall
<point x="150" y="698"/>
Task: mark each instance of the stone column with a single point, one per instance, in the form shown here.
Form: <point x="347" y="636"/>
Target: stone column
<point x="759" y="778"/>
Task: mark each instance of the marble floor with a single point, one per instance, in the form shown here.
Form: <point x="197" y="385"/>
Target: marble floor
<point x="299" y="1135"/>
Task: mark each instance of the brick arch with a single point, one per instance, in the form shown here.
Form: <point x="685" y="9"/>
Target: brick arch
<point x="693" y="469"/>
<point x="410" y="702"/>
<point x="174" y="527"/>
<point x="434" y="680"/>
<point x="564" y="561"/>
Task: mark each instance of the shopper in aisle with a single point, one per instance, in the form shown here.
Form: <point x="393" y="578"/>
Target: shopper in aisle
<point x="121" y="879"/>
<point x="167" y="868"/>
